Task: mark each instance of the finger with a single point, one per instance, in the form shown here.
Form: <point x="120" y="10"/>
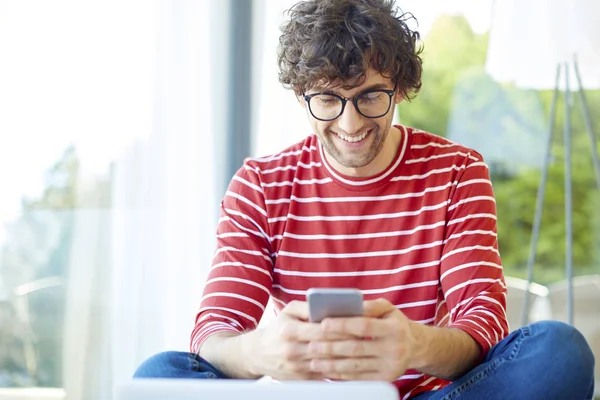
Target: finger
<point x="294" y="351"/>
<point x="360" y="327"/>
<point x="296" y="309"/>
<point x="377" y="308"/>
<point x="344" y="348"/>
<point x="355" y="365"/>
<point x="294" y="330"/>
<point x="298" y="370"/>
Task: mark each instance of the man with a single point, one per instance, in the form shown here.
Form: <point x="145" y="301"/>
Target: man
<point x="405" y="216"/>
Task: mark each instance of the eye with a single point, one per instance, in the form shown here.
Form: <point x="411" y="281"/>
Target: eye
<point x="324" y="100"/>
<point x="370" y="97"/>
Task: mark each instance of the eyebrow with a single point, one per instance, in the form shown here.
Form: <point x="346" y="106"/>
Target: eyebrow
<point x="375" y="86"/>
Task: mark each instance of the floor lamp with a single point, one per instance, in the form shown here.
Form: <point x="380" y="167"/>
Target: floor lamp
<point x="568" y="182"/>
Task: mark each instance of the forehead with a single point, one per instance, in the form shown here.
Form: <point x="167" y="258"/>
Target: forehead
<point x="370" y="78"/>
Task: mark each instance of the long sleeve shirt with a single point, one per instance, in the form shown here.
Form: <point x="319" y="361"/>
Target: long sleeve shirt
<point x="421" y="234"/>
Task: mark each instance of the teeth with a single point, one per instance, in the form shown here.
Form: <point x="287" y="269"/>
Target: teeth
<point x="353" y="139"/>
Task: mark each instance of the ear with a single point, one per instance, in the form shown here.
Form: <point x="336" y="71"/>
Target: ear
<point x="398" y="97"/>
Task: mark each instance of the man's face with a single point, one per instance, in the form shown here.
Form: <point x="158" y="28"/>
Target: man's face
<point x="354" y="144"/>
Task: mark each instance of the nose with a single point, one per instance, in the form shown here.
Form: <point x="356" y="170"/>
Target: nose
<point x="351" y="122"/>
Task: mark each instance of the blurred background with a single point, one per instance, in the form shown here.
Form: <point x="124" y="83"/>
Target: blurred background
<point x="121" y="123"/>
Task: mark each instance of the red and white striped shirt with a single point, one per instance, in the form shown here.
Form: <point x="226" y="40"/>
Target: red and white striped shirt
<point x="421" y="234"/>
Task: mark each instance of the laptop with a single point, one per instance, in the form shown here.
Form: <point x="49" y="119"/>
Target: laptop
<point x="232" y="389"/>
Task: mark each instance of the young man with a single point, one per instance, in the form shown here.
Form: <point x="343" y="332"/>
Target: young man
<point x="405" y="216"/>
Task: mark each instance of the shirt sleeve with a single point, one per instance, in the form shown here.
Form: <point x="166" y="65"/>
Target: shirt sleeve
<point x="471" y="278"/>
<point x="239" y="282"/>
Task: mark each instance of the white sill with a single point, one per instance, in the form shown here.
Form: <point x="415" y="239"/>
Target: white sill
<point x="32" y="394"/>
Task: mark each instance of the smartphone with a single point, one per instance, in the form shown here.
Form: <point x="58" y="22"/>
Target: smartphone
<point x="333" y="302"/>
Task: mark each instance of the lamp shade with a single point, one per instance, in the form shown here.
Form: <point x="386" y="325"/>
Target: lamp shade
<point x="529" y="38"/>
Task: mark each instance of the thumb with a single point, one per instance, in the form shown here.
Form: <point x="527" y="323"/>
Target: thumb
<point x="377" y="308"/>
<point x="296" y="309"/>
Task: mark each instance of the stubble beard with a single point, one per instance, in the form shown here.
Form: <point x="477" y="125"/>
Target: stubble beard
<point x="354" y="160"/>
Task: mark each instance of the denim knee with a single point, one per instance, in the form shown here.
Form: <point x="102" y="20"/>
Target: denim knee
<point x="566" y="346"/>
<point x="163" y="364"/>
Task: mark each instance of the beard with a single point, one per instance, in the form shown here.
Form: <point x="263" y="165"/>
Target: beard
<point x="355" y="158"/>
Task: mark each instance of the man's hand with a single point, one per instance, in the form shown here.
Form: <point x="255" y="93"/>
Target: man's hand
<point x="280" y="349"/>
<point x="378" y="346"/>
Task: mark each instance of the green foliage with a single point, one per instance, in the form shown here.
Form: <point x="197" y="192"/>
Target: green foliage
<point x="509" y="126"/>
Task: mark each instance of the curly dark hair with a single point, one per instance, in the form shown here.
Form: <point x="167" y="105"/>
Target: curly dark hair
<point x="335" y="41"/>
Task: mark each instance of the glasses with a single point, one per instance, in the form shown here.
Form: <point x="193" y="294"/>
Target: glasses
<point x="371" y="104"/>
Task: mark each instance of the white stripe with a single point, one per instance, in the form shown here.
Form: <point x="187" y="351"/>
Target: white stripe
<point x="469" y="248"/>
<point x="417" y="304"/>
<point x="469" y="265"/>
<point x="203" y="335"/>
<point x="484" y="311"/>
<point x="368" y="291"/>
<point x="472" y="232"/>
<point x="364" y="235"/>
<point x="471" y="216"/>
<point x="285" y="154"/>
<point x="288" y="168"/>
<point x="460" y="304"/>
<point x="490" y="327"/>
<point x="478" y="164"/>
<point x="361" y="199"/>
<point x="245" y="281"/>
<point x="470" y="282"/>
<point x="235" y="296"/>
<point x="413" y="376"/>
<point x="216" y="323"/>
<point x="231" y="234"/>
<point x="433" y="144"/>
<point x="298" y="181"/>
<point x="425" y="383"/>
<point x="437" y="156"/>
<point x="209" y="315"/>
<point x="472" y="199"/>
<point x="440" y="304"/>
<point x="471" y="181"/>
<point x="377" y="179"/>
<point x="247" y="218"/>
<point x="236" y="312"/>
<point x="425" y="175"/>
<point x="360" y="217"/>
<point x="277" y="219"/>
<point x="424" y="321"/>
<point x="381" y="253"/>
<point x="462" y="322"/>
<point x="245" y="182"/>
<point x="239" y="264"/>
<point x="251" y="252"/>
<point x="356" y="273"/>
<point x="209" y="332"/>
<point x="485" y="331"/>
<point x="239" y="226"/>
<point x="442" y="322"/>
<point x="245" y="200"/>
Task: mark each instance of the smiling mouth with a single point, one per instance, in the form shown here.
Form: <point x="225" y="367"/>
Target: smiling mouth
<point x="353" y="139"/>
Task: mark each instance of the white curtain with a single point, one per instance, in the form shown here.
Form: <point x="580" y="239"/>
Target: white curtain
<point x="278" y="119"/>
<point x="137" y="270"/>
<point x="164" y="199"/>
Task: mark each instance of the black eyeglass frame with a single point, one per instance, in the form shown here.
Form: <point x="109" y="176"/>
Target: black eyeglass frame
<point x="354" y="100"/>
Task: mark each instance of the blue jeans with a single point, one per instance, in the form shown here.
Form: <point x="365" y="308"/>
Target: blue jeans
<point x="545" y="360"/>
